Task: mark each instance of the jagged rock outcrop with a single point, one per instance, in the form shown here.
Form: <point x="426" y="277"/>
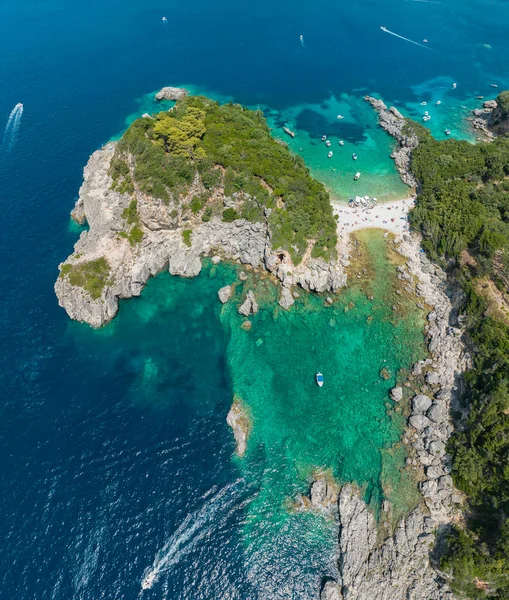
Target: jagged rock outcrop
<point x="396" y="569"/>
<point x="493" y="118"/>
<point x="171" y="93"/>
<point x="392" y="121"/>
<point x="323" y="493"/>
<point x="238" y="419"/>
<point x="286" y="299"/>
<point x="249" y="306"/>
<point x="163" y="247"/>
<point x="396" y="394"/>
<point x="331" y="591"/>
<point x="225" y="293"/>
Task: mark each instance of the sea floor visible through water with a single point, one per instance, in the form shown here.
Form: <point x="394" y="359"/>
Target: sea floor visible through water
<point x="347" y="429"/>
<point x="351" y="120"/>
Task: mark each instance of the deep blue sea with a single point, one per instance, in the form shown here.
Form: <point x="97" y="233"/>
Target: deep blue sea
<point x="108" y="465"/>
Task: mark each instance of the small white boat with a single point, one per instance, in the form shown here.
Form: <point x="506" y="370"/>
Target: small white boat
<point x="165" y="20"/>
<point x="423" y="103"/>
<point x="149" y="580"/>
<point x="438" y="102"/>
<point x="354" y="156"/>
<point x="426" y="113"/>
<point x="356" y="176"/>
<point x="340" y="117"/>
<point x="424" y="41"/>
<point x="327" y="143"/>
<point x="319" y="379"/>
<point x="447" y="132"/>
<point x="454" y="86"/>
<point x="301" y="38"/>
<point x="341" y="143"/>
<point x="324" y="137"/>
<point x="494" y="85"/>
<point x="330" y="154"/>
<point x="426" y="118"/>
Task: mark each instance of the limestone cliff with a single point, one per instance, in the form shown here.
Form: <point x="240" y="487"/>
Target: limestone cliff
<point x="163" y="245"/>
<point x="396" y="569"/>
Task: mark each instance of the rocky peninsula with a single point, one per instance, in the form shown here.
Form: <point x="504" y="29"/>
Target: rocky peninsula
<point x="172" y="191"/>
<point x="143" y="218"/>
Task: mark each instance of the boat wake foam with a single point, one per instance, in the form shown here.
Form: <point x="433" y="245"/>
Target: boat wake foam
<point x="192" y="530"/>
<point x="403" y="38"/>
<point x="12" y="128"/>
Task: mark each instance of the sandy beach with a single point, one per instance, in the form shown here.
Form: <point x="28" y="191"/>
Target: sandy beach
<point x="392" y="216"/>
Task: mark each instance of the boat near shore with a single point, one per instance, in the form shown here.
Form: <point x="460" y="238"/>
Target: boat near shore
<point x="289" y="132"/>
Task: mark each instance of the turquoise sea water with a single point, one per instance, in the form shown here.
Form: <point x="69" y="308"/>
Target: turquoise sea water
<point x="116" y="457"/>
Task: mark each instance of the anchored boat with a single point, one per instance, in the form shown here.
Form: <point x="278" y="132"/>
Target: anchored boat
<point x="319" y="379"/>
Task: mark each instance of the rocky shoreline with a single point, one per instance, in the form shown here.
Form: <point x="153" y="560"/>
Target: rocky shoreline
<point x="400" y="567"/>
<point x="393" y="122"/>
<point x="163" y="247"/>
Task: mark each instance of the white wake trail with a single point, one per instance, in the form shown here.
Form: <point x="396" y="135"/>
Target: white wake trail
<point x="12" y="128"/>
<point x="403" y="38"/>
<point x="192" y="530"/>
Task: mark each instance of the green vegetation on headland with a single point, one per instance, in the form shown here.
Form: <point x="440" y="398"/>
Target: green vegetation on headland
<point x="134" y="233"/>
<point x="92" y="275"/>
<point x="463" y="214"/>
<point x="199" y="148"/>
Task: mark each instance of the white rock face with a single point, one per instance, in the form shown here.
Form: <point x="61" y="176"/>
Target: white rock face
<point x="162" y="247"/>
<point x="171" y="93"/>
<point x="225" y="293"/>
<point x="396" y="394"/>
<point x="420" y="403"/>
<point x="249" y="306"/>
<point x="331" y="591"/>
